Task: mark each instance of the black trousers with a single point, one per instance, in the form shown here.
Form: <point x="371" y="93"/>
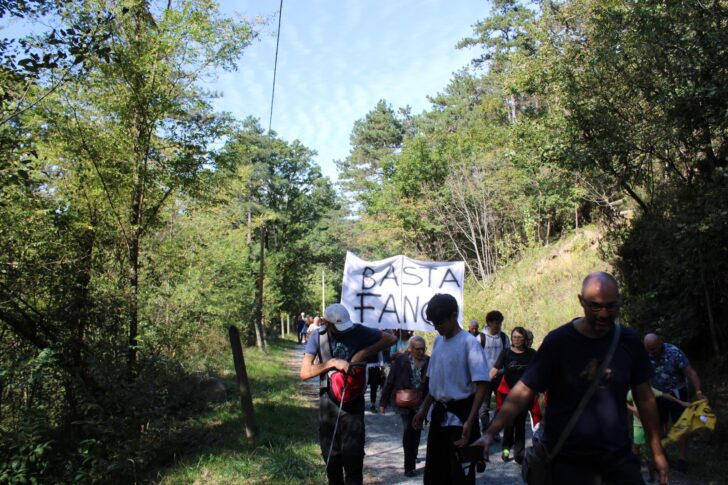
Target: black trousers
<point x="410" y="440"/>
<point x="514" y="436"/>
<point x="375" y="381"/>
<point x="347" y="454"/>
<point x="441" y="464"/>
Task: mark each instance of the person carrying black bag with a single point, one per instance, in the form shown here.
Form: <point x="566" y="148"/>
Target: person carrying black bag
<point x="586" y="417"/>
<point x="457" y="383"/>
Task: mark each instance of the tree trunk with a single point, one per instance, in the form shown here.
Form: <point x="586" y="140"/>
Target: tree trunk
<point x="260" y="340"/>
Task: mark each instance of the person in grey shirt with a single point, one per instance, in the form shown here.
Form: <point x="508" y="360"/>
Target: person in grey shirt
<point x="494" y="341"/>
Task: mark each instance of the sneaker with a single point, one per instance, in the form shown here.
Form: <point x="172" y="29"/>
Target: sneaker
<point x="409" y="473"/>
<point x="373" y="408"/>
<point x="506" y="456"/>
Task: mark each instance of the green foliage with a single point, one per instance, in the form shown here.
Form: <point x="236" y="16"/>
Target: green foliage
<point x="287" y="451"/>
<point x="374" y="140"/>
<point x="284" y="190"/>
<point x="684" y="236"/>
<point x="539" y="290"/>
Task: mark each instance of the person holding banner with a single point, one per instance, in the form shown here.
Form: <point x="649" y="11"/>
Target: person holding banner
<point x="458" y="382"/>
<point x="339" y="345"/>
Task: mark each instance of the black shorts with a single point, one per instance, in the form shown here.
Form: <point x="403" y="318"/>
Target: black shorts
<point x="670" y="411"/>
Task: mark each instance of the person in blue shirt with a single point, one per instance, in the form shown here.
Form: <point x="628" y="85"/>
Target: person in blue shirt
<point x="672" y="371"/>
<point x="348" y="343"/>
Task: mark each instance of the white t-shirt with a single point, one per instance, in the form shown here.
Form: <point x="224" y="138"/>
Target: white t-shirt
<point x="455" y="366"/>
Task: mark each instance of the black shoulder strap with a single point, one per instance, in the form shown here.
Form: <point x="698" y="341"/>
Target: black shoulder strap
<point x="589" y="393"/>
<point x="324" y="354"/>
<point x="482" y="339"/>
<point x="503" y="340"/>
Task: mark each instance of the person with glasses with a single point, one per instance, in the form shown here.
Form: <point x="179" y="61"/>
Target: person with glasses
<point x="512" y="363"/>
<point x="458" y="382"/>
<point x="408" y="372"/>
<point x="598" y="447"/>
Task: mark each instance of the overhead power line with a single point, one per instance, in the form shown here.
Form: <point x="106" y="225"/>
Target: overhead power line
<point x="275" y="68"/>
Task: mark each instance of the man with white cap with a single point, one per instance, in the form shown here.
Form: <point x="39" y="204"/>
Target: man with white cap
<point x="336" y="344"/>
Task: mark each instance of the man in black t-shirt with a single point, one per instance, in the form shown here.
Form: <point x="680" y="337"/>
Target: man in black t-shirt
<point x="345" y="343"/>
<point x="597" y="450"/>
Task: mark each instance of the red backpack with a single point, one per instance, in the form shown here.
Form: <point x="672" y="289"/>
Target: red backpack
<point x="338" y="384"/>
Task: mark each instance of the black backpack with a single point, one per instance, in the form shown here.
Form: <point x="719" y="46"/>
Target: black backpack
<point x="503" y="338"/>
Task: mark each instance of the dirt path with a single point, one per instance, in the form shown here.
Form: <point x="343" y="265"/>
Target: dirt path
<point x="384" y="461"/>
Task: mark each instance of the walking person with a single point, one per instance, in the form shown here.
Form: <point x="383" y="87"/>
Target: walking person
<point x="408" y="374"/>
<point x="376" y="380"/>
<point x="672" y="374"/>
<point x="494" y="341"/>
<point x="458" y="382"/>
<point x="594" y="356"/>
<point x="301" y="327"/>
<point x="337" y="344"/>
<point x="512" y="363"/>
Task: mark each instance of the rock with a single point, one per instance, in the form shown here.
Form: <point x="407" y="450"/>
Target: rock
<point x="212" y="389"/>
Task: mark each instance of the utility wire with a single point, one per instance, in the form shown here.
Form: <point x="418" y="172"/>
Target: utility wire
<point x="275" y="68"/>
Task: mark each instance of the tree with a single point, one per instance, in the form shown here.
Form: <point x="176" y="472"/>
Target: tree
<point x="153" y="116"/>
<point x="375" y="139"/>
<point x="642" y="88"/>
<point x="287" y="194"/>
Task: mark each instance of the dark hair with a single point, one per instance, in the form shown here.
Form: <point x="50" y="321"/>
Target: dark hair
<point x="441" y="307"/>
<point x="522" y="331"/>
<point x="524" y="334"/>
<point x="494" y="316"/>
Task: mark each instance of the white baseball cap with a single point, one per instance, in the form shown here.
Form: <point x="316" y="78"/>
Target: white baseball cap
<point x="339" y="316"/>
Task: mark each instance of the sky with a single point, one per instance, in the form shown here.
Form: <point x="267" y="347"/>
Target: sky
<point x="337" y="58"/>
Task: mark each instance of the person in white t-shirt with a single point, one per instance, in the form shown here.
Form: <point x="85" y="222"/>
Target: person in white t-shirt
<point x="458" y="382"/>
<point x="494" y="341"/>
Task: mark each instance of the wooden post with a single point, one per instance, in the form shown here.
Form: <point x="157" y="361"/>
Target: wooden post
<point x="283" y="328"/>
<point x="246" y="399"/>
<point x="288" y="324"/>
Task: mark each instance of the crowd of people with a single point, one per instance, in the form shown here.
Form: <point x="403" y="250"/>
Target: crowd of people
<point x="589" y="375"/>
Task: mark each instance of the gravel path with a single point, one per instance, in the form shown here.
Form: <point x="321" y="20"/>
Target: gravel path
<point x="384" y="461"/>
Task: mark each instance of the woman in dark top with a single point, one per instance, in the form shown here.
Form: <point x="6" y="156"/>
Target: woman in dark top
<point x="512" y="363"/>
<point x="408" y="372"/>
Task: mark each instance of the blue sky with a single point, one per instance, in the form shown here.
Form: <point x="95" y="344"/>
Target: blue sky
<point x="337" y="58"/>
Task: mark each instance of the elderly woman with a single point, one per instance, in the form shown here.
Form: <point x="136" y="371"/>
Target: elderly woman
<point x="408" y="372"/>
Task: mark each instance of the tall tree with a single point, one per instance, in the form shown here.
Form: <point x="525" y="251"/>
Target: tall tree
<point x="156" y="122"/>
<point x="286" y="192"/>
<point x="375" y="139"/>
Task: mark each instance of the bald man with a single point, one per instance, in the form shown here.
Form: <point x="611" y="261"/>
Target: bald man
<point x="672" y="372"/>
<point x="598" y="448"/>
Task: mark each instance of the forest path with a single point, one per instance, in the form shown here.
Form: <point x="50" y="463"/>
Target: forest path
<point x="384" y="460"/>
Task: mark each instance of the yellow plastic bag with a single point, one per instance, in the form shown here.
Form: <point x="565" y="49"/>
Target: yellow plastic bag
<point x="698" y="415"/>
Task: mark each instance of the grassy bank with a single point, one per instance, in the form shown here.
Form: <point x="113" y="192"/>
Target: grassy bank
<point x="539" y="291"/>
<point x="212" y="448"/>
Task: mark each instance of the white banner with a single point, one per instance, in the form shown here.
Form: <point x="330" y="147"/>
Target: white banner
<point x="393" y="292"/>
